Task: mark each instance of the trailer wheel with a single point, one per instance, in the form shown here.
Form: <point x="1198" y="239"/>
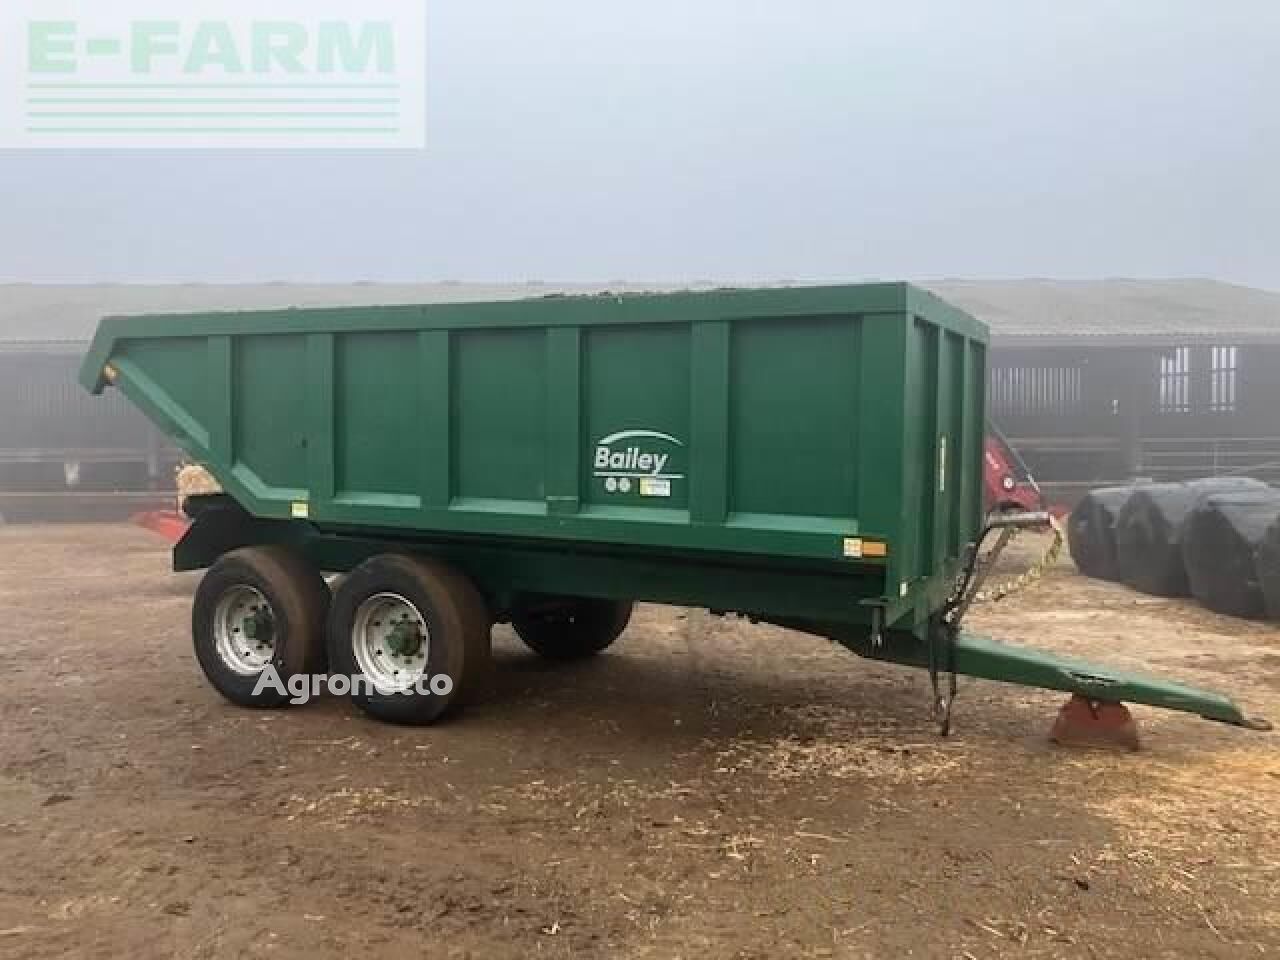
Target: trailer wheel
<point x="256" y="608"/>
<point x="398" y="625"/>
<point x="572" y="628"/>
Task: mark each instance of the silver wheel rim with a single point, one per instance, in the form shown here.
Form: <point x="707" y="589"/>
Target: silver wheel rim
<point x="244" y="630"/>
<point x="391" y="642"/>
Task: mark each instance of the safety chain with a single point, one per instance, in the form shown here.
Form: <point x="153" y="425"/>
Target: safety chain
<point x="943" y="631"/>
<point x="1035" y="572"/>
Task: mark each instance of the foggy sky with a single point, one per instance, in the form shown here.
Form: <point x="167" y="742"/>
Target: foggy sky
<point x="681" y="140"/>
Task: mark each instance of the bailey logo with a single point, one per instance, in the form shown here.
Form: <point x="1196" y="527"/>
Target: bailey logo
<point x="636" y="461"/>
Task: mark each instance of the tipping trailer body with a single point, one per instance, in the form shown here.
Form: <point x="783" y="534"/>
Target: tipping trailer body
<point x="828" y="436"/>
<point x="811" y="457"/>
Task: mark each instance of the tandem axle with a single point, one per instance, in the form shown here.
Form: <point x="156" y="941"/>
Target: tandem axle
<point x="504" y="584"/>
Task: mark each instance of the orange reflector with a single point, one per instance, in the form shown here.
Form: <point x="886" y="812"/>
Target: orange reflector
<point x="855" y="548"/>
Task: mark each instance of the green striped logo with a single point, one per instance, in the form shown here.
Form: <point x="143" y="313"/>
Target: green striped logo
<point x="276" y="73"/>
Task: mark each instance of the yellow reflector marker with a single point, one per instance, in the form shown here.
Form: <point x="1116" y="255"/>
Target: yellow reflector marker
<point x="855" y="548"/>
<point x="301" y="510"/>
<point x="109" y="373"/>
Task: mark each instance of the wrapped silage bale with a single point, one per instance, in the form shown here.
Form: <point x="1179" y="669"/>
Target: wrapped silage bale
<point x="1149" y="532"/>
<point x="1220" y="549"/>
<point x="1229" y="485"/>
<point x="1267" y="562"/>
<point x="1091" y="531"/>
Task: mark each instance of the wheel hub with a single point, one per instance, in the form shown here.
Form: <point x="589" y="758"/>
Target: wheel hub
<point x="244" y="629"/>
<point x="405" y="639"/>
<point x="259" y="626"/>
<point x="391" y="642"/>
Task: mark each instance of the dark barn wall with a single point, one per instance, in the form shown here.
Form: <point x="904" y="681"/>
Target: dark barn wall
<point x="1065" y="409"/>
<point x="1091" y="414"/>
<point x="1260" y="373"/>
<point x="52" y="431"/>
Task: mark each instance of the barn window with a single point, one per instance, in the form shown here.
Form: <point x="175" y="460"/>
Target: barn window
<point x="1175" y="381"/>
<point x="1222" y="379"/>
<point x="1021" y="390"/>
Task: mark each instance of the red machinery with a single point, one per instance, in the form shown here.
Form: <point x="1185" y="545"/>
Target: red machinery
<point x="1007" y="483"/>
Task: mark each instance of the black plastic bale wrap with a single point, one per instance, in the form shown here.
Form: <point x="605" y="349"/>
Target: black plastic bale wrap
<point x="1220" y="547"/>
<point x="1268" y="566"/>
<point x="1149" y="531"/>
<point x="1091" y="531"/>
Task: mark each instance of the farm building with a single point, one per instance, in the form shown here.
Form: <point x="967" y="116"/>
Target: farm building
<point x="54" y="436"/>
<point x="1102" y="381"/>
<point x="1093" y="382"/>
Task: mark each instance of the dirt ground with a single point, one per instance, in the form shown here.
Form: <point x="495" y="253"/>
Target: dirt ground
<point x="707" y="789"/>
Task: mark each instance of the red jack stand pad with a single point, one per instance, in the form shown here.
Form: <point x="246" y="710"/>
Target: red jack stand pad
<point x="1095" y="723"/>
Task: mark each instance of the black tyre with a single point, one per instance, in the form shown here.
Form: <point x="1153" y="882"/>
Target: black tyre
<point x="256" y="608"/>
<point x="571" y="628"/>
<point x="397" y="624"/>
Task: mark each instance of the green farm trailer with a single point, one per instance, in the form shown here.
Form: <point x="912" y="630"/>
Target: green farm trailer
<point x="804" y="457"/>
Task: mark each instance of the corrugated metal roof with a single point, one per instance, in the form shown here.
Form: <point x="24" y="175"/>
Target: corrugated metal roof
<point x="1017" y="311"/>
<point x="1118" y="311"/>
